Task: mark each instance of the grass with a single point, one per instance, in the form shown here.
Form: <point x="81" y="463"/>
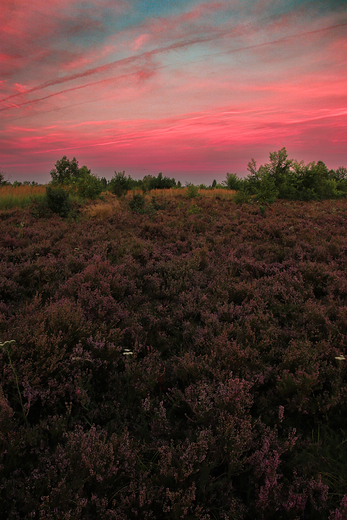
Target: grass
<point x="179" y="192"/>
<point x="12" y="197"/>
<point x="20" y="196"/>
<point x="102" y="208"/>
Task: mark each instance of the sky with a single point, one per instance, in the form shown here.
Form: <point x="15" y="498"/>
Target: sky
<point x="193" y="89"/>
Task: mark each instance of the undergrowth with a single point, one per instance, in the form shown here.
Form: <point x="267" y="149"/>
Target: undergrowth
<point x="183" y="362"/>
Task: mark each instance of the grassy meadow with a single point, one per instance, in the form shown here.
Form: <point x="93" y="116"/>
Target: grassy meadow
<point x="20" y="196"/>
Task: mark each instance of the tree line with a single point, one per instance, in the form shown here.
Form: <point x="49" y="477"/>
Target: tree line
<point x="284" y="178"/>
<point x="281" y="178"/>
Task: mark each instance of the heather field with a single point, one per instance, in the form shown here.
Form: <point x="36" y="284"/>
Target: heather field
<point x="182" y="361"/>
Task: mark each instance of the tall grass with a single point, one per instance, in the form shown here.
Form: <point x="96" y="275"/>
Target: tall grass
<point x="179" y="192"/>
<point x="20" y="196"/>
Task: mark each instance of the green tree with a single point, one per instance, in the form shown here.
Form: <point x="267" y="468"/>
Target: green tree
<point x="104" y="183"/>
<point x="267" y="190"/>
<point x="340" y="177"/>
<point x="279" y="167"/>
<point x="161" y="183"/>
<point x="76" y="180"/>
<point x="64" y="171"/>
<point x="316" y="182"/>
<point x="120" y="184"/>
<point x="87" y="185"/>
<point x="233" y="182"/>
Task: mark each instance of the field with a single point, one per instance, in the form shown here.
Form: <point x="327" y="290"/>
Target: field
<point x="185" y="362"/>
<point x="19" y="196"/>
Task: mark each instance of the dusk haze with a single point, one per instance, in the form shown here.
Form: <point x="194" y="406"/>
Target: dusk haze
<point x="189" y="88"/>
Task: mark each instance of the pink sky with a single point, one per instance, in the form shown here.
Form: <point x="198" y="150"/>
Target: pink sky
<point x="189" y="88"/>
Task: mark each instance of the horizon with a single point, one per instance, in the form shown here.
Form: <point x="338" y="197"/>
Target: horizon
<point x="191" y="89"/>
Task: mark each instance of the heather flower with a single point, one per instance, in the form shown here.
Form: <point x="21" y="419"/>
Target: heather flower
<point x="281" y="413"/>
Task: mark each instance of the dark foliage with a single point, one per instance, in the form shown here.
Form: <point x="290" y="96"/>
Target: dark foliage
<point x="58" y="200"/>
<point x="137" y="203"/>
<point x="285" y="178"/>
<point x="79" y="181"/>
<point x="64" y="171"/>
<point x="120" y="184"/>
<point x="182" y="363"/>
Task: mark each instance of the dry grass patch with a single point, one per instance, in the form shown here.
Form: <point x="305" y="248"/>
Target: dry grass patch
<point x="102" y="209"/>
<point x="182" y="192"/>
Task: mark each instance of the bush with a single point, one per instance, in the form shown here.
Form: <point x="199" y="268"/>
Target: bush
<point x="194" y="210"/>
<point x="120" y="184"/>
<point x="242" y="197"/>
<point x="192" y="191"/>
<point x="39" y="208"/>
<point x="161" y="183"/>
<point x="77" y="180"/>
<point x="233" y="182"/>
<point x="88" y="186"/>
<point x="137" y="203"/>
<point x="58" y="200"/>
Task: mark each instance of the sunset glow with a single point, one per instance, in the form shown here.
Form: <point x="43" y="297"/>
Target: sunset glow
<point x="190" y="88"/>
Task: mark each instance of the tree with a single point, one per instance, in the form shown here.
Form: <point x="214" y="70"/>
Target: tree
<point x="120" y="184"/>
<point x="161" y="183"/>
<point x="3" y="182"/>
<point x="87" y="185"/>
<point x="233" y="182"/>
<point x="279" y="166"/>
<point x="104" y="183"/>
<point x="65" y="171"/>
<point x="77" y="180"/>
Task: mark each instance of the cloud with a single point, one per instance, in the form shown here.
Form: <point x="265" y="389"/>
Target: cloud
<point x="180" y="83"/>
<point x="49" y="28"/>
<point x="147" y="55"/>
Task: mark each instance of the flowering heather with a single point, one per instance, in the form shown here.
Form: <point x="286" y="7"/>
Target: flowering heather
<point x="184" y="362"/>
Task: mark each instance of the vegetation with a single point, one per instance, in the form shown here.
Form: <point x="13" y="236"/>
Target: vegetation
<point x="20" y="196"/>
<point x="79" y="181"/>
<point x="281" y="178"/>
<point x="181" y="358"/>
<point x="58" y="200"/>
<point x="288" y="179"/>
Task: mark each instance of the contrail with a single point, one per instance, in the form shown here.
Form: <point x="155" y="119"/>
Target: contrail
<point x="148" y="54"/>
<point x="71" y="89"/>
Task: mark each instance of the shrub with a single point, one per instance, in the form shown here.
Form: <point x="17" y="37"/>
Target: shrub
<point x="120" y="184"/>
<point x="194" y="210"/>
<point x="58" y="200"/>
<point x="88" y="186"/>
<point x="242" y="197"/>
<point x="137" y="203"/>
<point x="233" y="182"/>
<point x="161" y="183"/>
<point x="192" y="191"/>
<point x="39" y="208"/>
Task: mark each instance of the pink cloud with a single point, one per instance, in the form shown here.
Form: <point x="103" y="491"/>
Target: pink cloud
<point x="140" y="41"/>
<point x="196" y="90"/>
